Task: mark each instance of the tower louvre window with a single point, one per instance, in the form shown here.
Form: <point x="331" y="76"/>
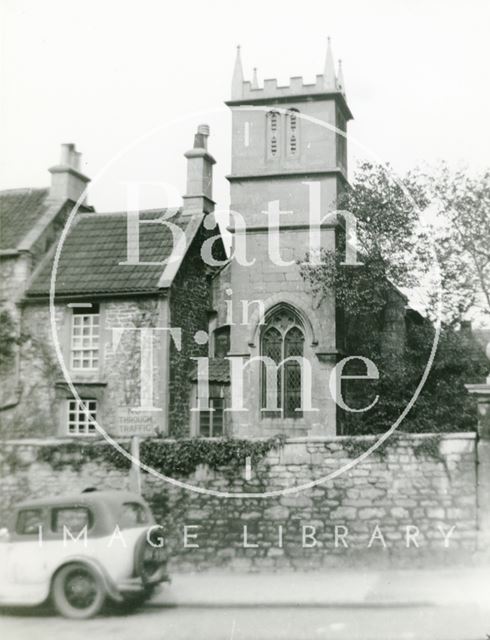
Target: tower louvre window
<point x="273" y="133"/>
<point x="292" y="132"/>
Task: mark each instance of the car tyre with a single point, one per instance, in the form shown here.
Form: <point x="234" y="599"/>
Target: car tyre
<point x="78" y="591"/>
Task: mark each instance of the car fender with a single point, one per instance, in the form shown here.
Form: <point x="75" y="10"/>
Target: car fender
<point x="109" y="585"/>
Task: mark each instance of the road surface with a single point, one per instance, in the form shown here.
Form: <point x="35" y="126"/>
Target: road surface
<point x="252" y="623"/>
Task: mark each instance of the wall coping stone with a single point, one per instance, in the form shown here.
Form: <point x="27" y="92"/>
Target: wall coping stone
<point x="458" y="435"/>
<point x="39" y="442"/>
<point x="461" y="435"/>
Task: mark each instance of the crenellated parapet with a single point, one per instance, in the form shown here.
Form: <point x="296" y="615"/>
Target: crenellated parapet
<point x="296" y="86"/>
<point x="329" y="81"/>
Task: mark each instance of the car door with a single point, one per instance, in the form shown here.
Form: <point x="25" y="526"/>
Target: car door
<point x="24" y="575"/>
<point x="27" y="560"/>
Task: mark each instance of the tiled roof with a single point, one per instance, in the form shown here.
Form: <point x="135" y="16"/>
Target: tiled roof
<point x="219" y="370"/>
<point x="96" y="245"/>
<point x="20" y="209"/>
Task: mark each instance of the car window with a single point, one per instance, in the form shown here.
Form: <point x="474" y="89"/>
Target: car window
<point x="133" y="515"/>
<point x="29" y="521"/>
<point x="73" y="518"/>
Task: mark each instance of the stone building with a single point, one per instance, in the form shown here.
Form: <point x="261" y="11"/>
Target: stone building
<point x="121" y="367"/>
<point x="289" y="165"/>
<point x="30" y="222"/>
<point x="247" y="319"/>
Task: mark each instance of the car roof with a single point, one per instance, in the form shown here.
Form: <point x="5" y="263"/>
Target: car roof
<point x="110" y="498"/>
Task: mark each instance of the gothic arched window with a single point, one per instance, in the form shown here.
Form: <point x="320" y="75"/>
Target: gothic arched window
<point x="282" y="338"/>
<point x="273" y="120"/>
<point x="293" y="132"/>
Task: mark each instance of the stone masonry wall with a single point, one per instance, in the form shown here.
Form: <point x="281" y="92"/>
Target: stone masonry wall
<point x="37" y="370"/>
<point x="394" y="508"/>
<point x="43" y="391"/>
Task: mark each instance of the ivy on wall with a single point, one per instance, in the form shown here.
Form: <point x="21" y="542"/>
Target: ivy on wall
<point x="430" y="448"/>
<point x="182" y="457"/>
<point x="170" y="457"/>
<point x="427" y="447"/>
<point x="354" y="447"/>
<point x="76" y="454"/>
<point x="8" y="335"/>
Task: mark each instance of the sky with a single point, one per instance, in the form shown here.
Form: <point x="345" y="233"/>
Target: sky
<point x="128" y="81"/>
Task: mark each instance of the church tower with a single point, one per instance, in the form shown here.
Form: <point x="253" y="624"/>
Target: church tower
<point x="289" y="166"/>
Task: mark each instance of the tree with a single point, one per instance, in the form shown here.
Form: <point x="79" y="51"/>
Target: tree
<point x="397" y="254"/>
<point x="389" y="242"/>
<point x="461" y="228"/>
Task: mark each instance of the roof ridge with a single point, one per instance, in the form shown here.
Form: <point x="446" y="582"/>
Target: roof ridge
<point x="99" y="214"/>
<point x="23" y="190"/>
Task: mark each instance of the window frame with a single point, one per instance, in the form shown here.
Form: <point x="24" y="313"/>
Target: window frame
<point x="290" y="132"/>
<point x="272" y="323"/>
<point x="273" y="134"/>
<point x="340" y="140"/>
<point x="220" y="335"/>
<point x="78" y="410"/>
<point x="211" y="414"/>
<point x="18" y="516"/>
<point x="54" y="510"/>
<point x="141" y="509"/>
<point x="79" y="352"/>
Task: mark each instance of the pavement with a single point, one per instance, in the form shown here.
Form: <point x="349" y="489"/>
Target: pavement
<point x="348" y="588"/>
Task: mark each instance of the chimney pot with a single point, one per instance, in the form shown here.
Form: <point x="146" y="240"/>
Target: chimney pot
<point x="201" y="137"/>
<point x="67" y="150"/>
<point x="77" y="160"/>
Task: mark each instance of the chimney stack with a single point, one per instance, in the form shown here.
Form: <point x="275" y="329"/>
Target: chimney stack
<point x="67" y="181"/>
<point x="199" y="193"/>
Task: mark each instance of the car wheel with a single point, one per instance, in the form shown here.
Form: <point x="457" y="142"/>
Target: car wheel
<point x="78" y="591"/>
